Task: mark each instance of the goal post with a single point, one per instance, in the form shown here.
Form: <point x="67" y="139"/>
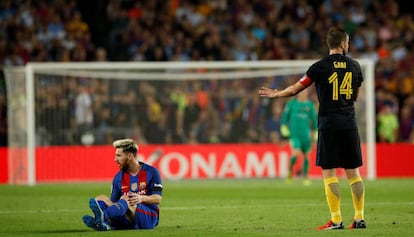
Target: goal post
<point x="26" y="84"/>
<point x="369" y="73"/>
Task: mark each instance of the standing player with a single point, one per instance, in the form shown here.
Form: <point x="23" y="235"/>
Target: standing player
<point x="337" y="80"/>
<point x="299" y="124"/>
<point x="136" y="194"/>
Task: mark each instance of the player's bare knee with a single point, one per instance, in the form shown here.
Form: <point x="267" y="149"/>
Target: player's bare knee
<point x="352" y="173"/>
<point x="296" y="152"/>
<point x="105" y="199"/>
<point x="328" y="173"/>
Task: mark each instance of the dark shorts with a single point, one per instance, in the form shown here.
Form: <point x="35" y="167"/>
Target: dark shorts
<point x="339" y="149"/>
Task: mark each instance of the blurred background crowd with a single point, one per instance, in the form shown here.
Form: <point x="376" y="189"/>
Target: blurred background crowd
<point x="197" y="30"/>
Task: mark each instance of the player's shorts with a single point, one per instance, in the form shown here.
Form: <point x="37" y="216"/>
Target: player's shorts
<point x="302" y="143"/>
<point x="145" y="217"/>
<point x="339" y="149"/>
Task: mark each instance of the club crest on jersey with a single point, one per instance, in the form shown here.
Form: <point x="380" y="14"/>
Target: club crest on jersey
<point x="134" y="187"/>
<point x="142" y="185"/>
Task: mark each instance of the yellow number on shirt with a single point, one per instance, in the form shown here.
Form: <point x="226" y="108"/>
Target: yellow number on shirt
<point x="344" y="89"/>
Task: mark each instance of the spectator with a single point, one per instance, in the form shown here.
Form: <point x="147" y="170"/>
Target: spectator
<point x="272" y="124"/>
<point x="406" y="124"/>
<point x="387" y="124"/>
<point x="55" y="30"/>
<point x="76" y="25"/>
<point x="83" y="111"/>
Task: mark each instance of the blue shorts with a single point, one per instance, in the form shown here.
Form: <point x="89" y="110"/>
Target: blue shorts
<point x="145" y="217"/>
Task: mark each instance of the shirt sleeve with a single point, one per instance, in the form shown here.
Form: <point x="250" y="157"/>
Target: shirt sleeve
<point x="286" y="114"/>
<point x="305" y="80"/>
<point x="116" y="191"/>
<point x="156" y="184"/>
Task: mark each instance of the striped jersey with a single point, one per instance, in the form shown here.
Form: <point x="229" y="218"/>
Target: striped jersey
<point x="146" y="182"/>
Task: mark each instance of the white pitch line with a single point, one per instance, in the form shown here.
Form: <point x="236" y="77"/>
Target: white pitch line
<point x="174" y="208"/>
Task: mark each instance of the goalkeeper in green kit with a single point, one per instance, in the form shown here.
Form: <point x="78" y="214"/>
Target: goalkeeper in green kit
<point x="299" y="124"/>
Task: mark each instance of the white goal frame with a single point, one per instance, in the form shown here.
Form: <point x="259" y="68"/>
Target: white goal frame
<point x="30" y="69"/>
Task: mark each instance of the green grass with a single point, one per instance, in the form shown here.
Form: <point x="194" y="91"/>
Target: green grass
<point x="261" y="207"/>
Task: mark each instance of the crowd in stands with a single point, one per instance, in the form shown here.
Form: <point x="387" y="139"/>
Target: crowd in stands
<point x="200" y="30"/>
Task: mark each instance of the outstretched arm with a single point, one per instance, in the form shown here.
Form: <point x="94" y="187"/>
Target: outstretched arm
<point x="287" y="92"/>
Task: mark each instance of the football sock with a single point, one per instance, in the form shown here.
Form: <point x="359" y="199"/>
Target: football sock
<point x="333" y="197"/>
<point x="358" y="197"/>
<point x="305" y="167"/>
<point x="116" y="210"/>
<point x="102" y="205"/>
<point x="291" y="164"/>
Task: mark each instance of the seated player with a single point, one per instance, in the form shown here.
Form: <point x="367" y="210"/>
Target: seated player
<point x="136" y="194"/>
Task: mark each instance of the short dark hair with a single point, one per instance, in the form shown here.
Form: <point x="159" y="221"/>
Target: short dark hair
<point x="127" y="145"/>
<point x="335" y="37"/>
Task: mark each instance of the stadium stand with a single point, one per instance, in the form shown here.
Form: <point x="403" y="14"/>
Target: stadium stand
<point x="184" y="30"/>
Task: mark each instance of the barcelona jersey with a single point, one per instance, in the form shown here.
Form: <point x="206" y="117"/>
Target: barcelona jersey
<point x="146" y="182"/>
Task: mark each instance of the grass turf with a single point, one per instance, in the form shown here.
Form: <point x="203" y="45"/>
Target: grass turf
<point x="257" y="207"/>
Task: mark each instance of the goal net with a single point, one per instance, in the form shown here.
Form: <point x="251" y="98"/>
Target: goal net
<point x="66" y="105"/>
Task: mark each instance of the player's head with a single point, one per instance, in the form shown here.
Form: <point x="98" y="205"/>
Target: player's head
<point x="125" y="152"/>
<point x="127" y="145"/>
<point x="338" y="39"/>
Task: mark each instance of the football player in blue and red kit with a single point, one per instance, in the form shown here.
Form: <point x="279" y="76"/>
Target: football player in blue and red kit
<point x="337" y="80"/>
<point x="136" y="194"/>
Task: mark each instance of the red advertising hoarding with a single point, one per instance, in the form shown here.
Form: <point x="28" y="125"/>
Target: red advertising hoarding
<point x="96" y="163"/>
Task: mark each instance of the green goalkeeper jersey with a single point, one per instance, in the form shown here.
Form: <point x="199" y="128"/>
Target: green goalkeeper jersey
<point x="300" y="117"/>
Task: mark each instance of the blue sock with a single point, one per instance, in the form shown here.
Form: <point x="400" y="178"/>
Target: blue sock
<point x="102" y="205"/>
<point x="116" y="210"/>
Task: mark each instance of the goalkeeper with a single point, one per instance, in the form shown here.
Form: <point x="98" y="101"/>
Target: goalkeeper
<point x="299" y="124"/>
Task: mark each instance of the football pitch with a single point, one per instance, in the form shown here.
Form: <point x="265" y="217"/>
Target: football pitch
<point x="254" y="207"/>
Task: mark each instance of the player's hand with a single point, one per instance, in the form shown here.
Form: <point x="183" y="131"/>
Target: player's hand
<point x="134" y="199"/>
<point x="267" y="92"/>
<point x="124" y="196"/>
<point x="315" y="135"/>
<point x="284" y="131"/>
